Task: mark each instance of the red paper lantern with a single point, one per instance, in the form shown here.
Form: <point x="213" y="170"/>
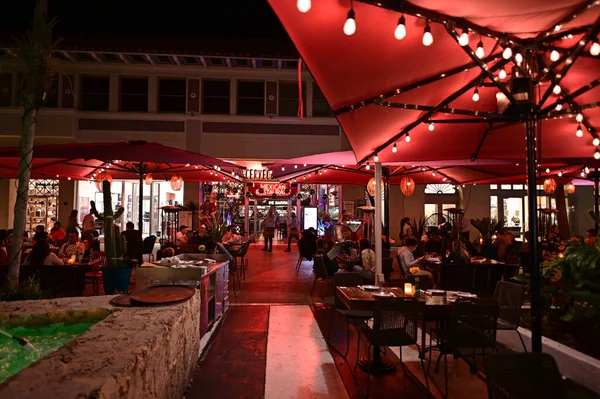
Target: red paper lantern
<point x="100" y="177"/>
<point x="148" y="179"/>
<point x="549" y="186"/>
<point x="407" y="186"/>
<point x="176" y="182"/>
<point x="371" y="186"/>
<point x="570" y="188"/>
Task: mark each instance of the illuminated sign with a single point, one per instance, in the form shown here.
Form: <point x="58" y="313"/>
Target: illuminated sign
<point x="267" y="190"/>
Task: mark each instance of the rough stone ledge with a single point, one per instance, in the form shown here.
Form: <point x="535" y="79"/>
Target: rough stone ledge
<point x="133" y="353"/>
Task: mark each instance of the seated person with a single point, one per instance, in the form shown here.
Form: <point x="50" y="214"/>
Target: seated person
<point x="231" y="235"/>
<point x="39" y="236"/>
<point x="57" y="234"/>
<point x="434" y="243"/>
<point x="42" y="255"/>
<point x="133" y="241"/>
<point x="407" y="259"/>
<point x="165" y="253"/>
<point x="196" y="238"/>
<point x="181" y="236"/>
<point x="72" y="246"/>
<point x="367" y="256"/>
<point x="459" y="254"/>
<point x="504" y="239"/>
<point x="330" y="265"/>
<point x="308" y="243"/>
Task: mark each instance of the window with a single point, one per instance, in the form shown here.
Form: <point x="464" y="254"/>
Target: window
<point x="288" y="98"/>
<point x="251" y="98"/>
<point x="440" y="189"/>
<point x="95" y="93"/>
<point x="134" y="95"/>
<point x="493" y="187"/>
<point x="215" y="96"/>
<point x="320" y="105"/>
<point x="505" y="186"/>
<point x="171" y="95"/>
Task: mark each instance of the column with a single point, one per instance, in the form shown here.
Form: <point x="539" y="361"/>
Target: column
<point x="113" y="93"/>
<point x="255" y="219"/>
<point x="152" y="94"/>
<point x="378" y="220"/>
<point x="246" y="214"/>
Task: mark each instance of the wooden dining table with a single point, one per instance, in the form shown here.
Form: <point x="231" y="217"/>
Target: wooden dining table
<point x="430" y="308"/>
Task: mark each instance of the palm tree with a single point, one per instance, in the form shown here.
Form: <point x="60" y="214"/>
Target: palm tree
<point x="33" y="53"/>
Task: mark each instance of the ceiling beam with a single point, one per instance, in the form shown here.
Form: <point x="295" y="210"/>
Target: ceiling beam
<point x="69" y="56"/>
<point x="97" y="57"/>
<point x="203" y="62"/>
<point x="560" y="35"/>
<point x="446" y="74"/>
<point x="124" y="58"/>
<point x="176" y="60"/>
<point x="149" y="59"/>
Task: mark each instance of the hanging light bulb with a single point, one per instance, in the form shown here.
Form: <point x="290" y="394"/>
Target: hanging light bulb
<point x="507" y="53"/>
<point x="350" y="24"/>
<point x="597" y="154"/>
<point x="595" y="49"/>
<point x="558" y="107"/>
<point x="444" y="179"/>
<point x="475" y="95"/>
<point x="579" y="131"/>
<point x="547" y="170"/>
<point x="579" y="117"/>
<point x="427" y="36"/>
<point x="303" y="5"/>
<point x="407" y="138"/>
<point x="283" y="168"/>
<point x="305" y="165"/>
<point x="431" y="127"/>
<point x="394" y="148"/>
<point x="400" y="32"/>
<point x="376" y="158"/>
<point x="463" y="40"/>
<point x="596" y="142"/>
<point x="556" y="90"/>
<point x="479" y="52"/>
<point x="518" y="58"/>
<point x="560" y="174"/>
<point x="554" y="55"/>
<point x="295" y="166"/>
<point x="502" y="74"/>
<point x="586" y="170"/>
<point x="582" y="173"/>
<point x="368" y="167"/>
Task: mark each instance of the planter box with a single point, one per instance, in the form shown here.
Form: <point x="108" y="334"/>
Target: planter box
<point x="578" y="367"/>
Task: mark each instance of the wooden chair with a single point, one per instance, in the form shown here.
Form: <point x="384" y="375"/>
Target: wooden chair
<point x="94" y="277"/>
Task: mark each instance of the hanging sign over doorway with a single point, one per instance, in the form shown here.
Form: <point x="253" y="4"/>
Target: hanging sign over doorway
<point x="268" y="190"/>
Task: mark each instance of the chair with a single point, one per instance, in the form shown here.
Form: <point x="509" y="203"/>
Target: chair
<point x="95" y="276"/>
<point x="320" y="271"/>
<point x="395" y="323"/>
<point x="523" y="376"/>
<point x="148" y="247"/>
<point x="472" y="325"/>
<point x="510" y="298"/>
<point x="301" y="255"/>
<point x="346" y="280"/>
<point x="233" y="270"/>
<point x="244" y="258"/>
<point x="387" y="267"/>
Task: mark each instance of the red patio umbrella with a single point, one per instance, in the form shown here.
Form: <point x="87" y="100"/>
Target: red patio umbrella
<point x="122" y="160"/>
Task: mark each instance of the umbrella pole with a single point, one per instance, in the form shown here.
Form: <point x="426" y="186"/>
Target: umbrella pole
<point x="386" y="203"/>
<point x="596" y="194"/>
<point x="536" y="300"/>
<point x="378" y="221"/>
<point x="141" y="203"/>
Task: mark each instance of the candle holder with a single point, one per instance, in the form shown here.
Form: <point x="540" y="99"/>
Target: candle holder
<point x="408" y="289"/>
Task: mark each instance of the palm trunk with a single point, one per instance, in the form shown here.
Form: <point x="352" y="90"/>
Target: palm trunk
<point x="28" y="122"/>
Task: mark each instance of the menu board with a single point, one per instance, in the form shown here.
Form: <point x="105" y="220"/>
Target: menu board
<point x="310" y="217"/>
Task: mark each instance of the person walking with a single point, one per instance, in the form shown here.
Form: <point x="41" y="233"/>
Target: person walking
<point x="292" y="231"/>
<point x="270" y="222"/>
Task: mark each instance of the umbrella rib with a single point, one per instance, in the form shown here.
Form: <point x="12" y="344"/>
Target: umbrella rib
<point x="49" y="164"/>
<point x="429" y="80"/>
<point x="584" y="89"/>
<point x="427" y="115"/>
<point x="568" y="17"/>
<point x="472" y="169"/>
<point x="570" y="60"/>
<point x="449" y="110"/>
<point x="481" y="142"/>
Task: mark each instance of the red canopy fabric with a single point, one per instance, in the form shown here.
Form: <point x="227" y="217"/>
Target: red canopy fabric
<point x="355" y="72"/>
<point x="82" y="161"/>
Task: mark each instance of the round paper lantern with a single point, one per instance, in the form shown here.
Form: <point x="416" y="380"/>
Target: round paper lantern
<point x="176" y="182"/>
<point x="407" y="186"/>
<point x="148" y="179"/>
<point x="371" y="186"/>
<point x="549" y="185"/>
<point x="570" y="188"/>
<point x="100" y="177"/>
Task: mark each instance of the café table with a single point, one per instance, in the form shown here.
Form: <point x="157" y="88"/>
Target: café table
<point x="430" y="307"/>
<point x="345" y="262"/>
<point x="489" y="264"/>
<point x="81" y="270"/>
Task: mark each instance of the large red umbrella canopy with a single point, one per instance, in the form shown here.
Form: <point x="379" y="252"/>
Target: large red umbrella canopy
<point x="122" y="159"/>
<point x="383" y="89"/>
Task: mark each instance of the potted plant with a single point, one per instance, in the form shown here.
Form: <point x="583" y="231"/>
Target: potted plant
<point x="117" y="273"/>
<point x="488" y="227"/>
<point x="215" y="230"/>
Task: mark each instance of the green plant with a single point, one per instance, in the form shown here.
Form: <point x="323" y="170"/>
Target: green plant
<point x="28" y="289"/>
<point x="487" y="227"/>
<point x="114" y="243"/>
<point x="215" y="228"/>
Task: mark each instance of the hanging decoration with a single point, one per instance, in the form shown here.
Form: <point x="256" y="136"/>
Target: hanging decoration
<point x="176" y="182"/>
<point x="148" y="179"/>
<point x="549" y="185"/>
<point x="407" y="186"/>
<point x="100" y="177"/>
<point x="371" y="186"/>
<point x="570" y="188"/>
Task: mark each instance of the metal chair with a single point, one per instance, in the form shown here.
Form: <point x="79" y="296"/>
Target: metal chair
<point x="94" y="277"/>
<point x="510" y="298"/>
<point x="523" y="376"/>
<point x="234" y="271"/>
<point x="395" y="323"/>
<point x="320" y="271"/>
<point x="301" y="257"/>
<point x="472" y="325"/>
<point x="346" y="280"/>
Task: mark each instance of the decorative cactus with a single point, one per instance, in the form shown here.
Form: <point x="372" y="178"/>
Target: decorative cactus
<point x="114" y="244"/>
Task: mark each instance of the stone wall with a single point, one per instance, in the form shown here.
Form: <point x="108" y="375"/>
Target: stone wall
<point x="145" y="352"/>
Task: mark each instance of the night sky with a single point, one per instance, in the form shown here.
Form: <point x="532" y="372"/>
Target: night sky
<point x="219" y="18"/>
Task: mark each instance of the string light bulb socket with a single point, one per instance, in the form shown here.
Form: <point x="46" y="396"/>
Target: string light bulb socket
<point x="350" y="24"/>
<point x="376" y="158"/>
<point x="597" y="154"/>
<point x="596" y="142"/>
<point x="431" y="127"/>
<point x="502" y="74"/>
<point x="476" y="95"/>
<point x="579" y="117"/>
<point x="480" y="53"/>
<point x="394" y="148"/>
<point x="579" y="132"/>
<point x="554" y="55"/>
<point x="400" y="32"/>
<point x="507" y="53"/>
<point x="304" y="5"/>
<point x="463" y="39"/>
<point x="595" y="49"/>
<point x="407" y="138"/>
<point x="556" y="89"/>
<point x="427" y="36"/>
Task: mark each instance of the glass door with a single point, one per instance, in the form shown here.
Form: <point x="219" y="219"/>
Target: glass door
<point x="513" y="215"/>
